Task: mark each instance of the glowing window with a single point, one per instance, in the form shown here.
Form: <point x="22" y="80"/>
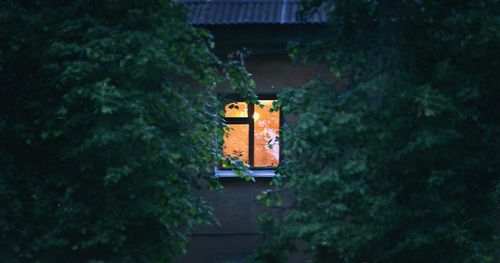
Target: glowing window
<point x="236" y="143"/>
<point x="236" y="109"/>
<point x="253" y="135"/>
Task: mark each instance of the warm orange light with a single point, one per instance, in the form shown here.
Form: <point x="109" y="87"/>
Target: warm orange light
<point x="266" y="125"/>
<point x="266" y="132"/>
<point x="237" y="109"/>
<point x="236" y="143"/>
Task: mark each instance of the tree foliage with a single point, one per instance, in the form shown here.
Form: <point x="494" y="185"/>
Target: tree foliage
<point x="107" y="126"/>
<point x="398" y="161"/>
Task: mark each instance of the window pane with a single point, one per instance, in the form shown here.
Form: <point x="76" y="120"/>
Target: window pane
<point x="267" y="126"/>
<point x="237" y="109"/>
<point x="236" y="143"/>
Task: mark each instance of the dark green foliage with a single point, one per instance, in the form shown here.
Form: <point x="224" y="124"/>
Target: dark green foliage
<point x="107" y="123"/>
<point x="400" y="160"/>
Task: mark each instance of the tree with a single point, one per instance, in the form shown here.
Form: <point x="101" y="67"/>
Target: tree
<point x="398" y="161"/>
<point x="107" y="127"/>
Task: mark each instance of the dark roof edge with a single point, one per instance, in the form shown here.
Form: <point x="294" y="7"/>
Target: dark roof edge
<point x="248" y="12"/>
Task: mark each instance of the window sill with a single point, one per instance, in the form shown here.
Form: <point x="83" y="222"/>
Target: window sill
<point x="254" y="173"/>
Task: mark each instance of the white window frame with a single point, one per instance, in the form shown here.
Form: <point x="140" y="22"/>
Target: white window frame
<point x="219" y="173"/>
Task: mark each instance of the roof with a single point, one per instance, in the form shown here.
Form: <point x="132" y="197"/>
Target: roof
<point x="232" y="12"/>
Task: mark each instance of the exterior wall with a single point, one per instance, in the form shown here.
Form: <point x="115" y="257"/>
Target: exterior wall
<point x="236" y="206"/>
<point x="238" y="234"/>
<point x="273" y="73"/>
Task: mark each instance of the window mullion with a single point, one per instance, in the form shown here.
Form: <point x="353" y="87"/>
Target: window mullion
<point x="251" y="135"/>
<point x="237" y="120"/>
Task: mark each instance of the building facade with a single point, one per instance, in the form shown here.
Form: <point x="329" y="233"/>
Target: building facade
<point x="263" y="28"/>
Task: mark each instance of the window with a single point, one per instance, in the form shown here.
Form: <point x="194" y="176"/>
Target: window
<point x="253" y="135"/>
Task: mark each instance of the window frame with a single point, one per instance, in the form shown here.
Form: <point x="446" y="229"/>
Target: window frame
<point x="254" y="171"/>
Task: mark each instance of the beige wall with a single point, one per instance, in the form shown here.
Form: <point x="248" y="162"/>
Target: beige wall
<point x="236" y="207"/>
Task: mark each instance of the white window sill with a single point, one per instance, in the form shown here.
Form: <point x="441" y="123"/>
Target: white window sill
<point x="254" y="173"/>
